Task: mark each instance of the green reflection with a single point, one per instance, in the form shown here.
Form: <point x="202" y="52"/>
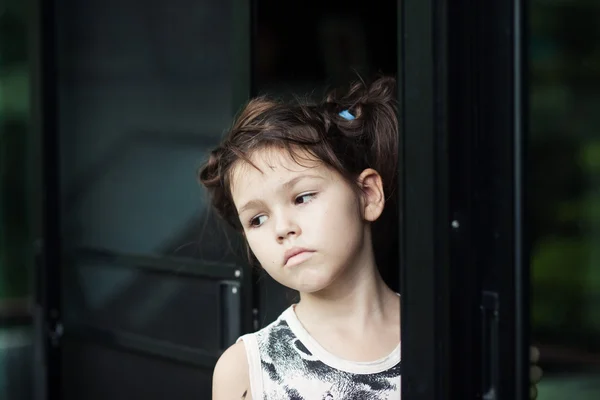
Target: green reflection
<point x="15" y="265"/>
<point x="565" y="194"/>
<point x="15" y="249"/>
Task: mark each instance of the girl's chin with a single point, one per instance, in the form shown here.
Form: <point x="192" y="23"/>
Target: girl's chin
<point x="308" y="278"/>
<point x="315" y="286"/>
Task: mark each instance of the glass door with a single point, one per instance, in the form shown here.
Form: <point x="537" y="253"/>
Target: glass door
<point x="139" y="289"/>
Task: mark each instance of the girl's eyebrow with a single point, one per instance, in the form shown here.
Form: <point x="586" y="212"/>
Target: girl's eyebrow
<point x="284" y="187"/>
<point x="290" y="184"/>
<point x="250" y="204"/>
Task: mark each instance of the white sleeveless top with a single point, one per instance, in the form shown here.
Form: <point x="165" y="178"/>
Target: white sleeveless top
<point x="285" y="362"/>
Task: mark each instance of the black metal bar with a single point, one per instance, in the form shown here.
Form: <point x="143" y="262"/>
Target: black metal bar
<point x="142" y="345"/>
<point x="251" y="289"/>
<point x="464" y="123"/>
<point x="45" y="124"/>
<point x="157" y="264"/>
<point x="522" y="256"/>
<point x="486" y="150"/>
<point x="500" y="139"/>
<point x="231" y="313"/>
<point x="424" y="221"/>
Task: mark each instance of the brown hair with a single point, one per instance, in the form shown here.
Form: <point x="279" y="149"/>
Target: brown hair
<point x="370" y="140"/>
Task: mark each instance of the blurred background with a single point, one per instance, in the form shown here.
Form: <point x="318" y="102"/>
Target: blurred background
<point x="564" y="194"/>
<point x="143" y="92"/>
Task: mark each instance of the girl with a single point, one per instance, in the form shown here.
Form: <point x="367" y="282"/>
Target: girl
<point x="304" y="184"/>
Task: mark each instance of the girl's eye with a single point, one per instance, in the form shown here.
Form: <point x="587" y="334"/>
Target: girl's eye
<point x="305" y="198"/>
<point x="257" y="221"/>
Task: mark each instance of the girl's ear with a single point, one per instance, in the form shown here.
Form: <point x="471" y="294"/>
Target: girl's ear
<point x="373" y="198"/>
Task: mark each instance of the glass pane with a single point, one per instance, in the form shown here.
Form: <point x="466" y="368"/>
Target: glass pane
<point x="15" y="200"/>
<point x="565" y="195"/>
<point x="144" y="92"/>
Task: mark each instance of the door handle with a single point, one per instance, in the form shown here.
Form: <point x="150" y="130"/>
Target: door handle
<point x="490" y="345"/>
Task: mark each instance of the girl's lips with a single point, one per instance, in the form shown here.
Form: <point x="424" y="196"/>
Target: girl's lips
<point x="299" y="258"/>
<point x="296" y="255"/>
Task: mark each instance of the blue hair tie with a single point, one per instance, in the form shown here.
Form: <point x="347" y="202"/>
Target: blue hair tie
<point x="346" y="115"/>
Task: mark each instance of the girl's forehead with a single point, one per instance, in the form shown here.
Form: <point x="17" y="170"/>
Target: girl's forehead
<point x="271" y="162"/>
<point x="274" y="166"/>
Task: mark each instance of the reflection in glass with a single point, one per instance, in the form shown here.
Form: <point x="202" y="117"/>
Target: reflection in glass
<point x="15" y="213"/>
<point x="565" y="195"/>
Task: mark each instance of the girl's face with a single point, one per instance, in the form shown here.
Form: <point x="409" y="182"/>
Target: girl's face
<point x="304" y="223"/>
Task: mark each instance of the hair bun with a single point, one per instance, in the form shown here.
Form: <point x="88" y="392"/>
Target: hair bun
<point x="381" y="91"/>
<point x="374" y="107"/>
<point x="209" y="174"/>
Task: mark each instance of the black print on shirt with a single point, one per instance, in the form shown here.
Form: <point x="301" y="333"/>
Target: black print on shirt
<point x="291" y="372"/>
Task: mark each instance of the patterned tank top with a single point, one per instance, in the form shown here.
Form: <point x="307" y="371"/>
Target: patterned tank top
<point x="285" y="362"/>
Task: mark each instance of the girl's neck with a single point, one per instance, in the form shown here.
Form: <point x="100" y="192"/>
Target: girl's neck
<point x="359" y="297"/>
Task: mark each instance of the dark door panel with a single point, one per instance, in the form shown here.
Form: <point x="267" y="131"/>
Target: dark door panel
<point x="141" y="286"/>
<point x="105" y="372"/>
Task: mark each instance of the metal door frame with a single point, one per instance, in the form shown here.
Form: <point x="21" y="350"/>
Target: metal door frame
<point x="462" y="122"/>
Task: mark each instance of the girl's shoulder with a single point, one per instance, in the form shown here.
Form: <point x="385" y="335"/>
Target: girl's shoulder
<point x="252" y="349"/>
<point x="238" y="370"/>
<point x="230" y="376"/>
